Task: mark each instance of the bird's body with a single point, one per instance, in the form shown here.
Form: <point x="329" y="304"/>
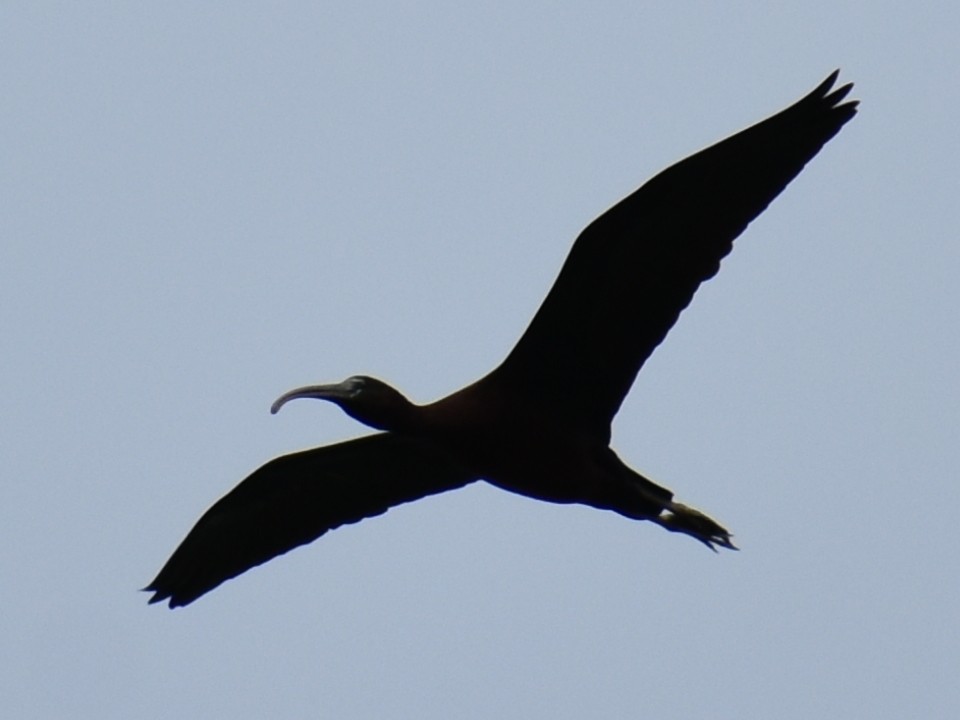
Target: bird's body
<point x="513" y="446"/>
<point x="509" y="442"/>
<point x="539" y="424"/>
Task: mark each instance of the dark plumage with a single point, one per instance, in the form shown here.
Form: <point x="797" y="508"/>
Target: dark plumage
<point x="539" y="424"/>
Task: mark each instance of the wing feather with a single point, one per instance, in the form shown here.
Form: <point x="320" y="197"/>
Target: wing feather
<point x="634" y="269"/>
<point x="294" y="499"/>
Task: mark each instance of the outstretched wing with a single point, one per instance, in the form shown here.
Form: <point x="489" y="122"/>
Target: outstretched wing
<point x="294" y="499"/>
<point x="636" y="267"/>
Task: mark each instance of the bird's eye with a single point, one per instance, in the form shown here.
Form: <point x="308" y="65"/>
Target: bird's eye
<point x="357" y="384"/>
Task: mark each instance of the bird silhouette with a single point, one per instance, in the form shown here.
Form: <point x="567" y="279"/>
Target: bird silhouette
<point x="539" y="424"/>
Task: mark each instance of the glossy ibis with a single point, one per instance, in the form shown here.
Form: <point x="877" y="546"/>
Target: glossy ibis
<point x="539" y="424"/>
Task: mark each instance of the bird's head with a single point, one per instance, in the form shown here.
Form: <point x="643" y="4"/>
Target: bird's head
<point x="363" y="398"/>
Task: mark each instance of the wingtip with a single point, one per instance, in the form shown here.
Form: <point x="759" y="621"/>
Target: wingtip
<point x="826" y="96"/>
<point x="821" y="90"/>
<point x="156" y="597"/>
<point x="826" y="91"/>
<point x="839" y="94"/>
<point x="159" y="596"/>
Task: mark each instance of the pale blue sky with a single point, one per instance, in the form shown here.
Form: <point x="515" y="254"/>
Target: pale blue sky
<point x="204" y="206"/>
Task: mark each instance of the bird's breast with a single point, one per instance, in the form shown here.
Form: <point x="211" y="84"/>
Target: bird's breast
<point x="519" y="450"/>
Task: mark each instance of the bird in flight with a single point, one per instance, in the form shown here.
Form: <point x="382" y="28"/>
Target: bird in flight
<point x="539" y="424"/>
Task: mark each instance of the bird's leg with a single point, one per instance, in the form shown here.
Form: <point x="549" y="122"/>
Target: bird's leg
<point x="645" y="500"/>
<point x="681" y="518"/>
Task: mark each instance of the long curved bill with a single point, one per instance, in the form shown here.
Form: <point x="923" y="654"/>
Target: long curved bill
<point x="334" y="392"/>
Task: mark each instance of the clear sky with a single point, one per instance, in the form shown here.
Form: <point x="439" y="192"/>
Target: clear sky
<point x="205" y="204"/>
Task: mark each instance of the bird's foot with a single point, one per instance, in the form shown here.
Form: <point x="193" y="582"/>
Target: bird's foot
<point x="681" y="518"/>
